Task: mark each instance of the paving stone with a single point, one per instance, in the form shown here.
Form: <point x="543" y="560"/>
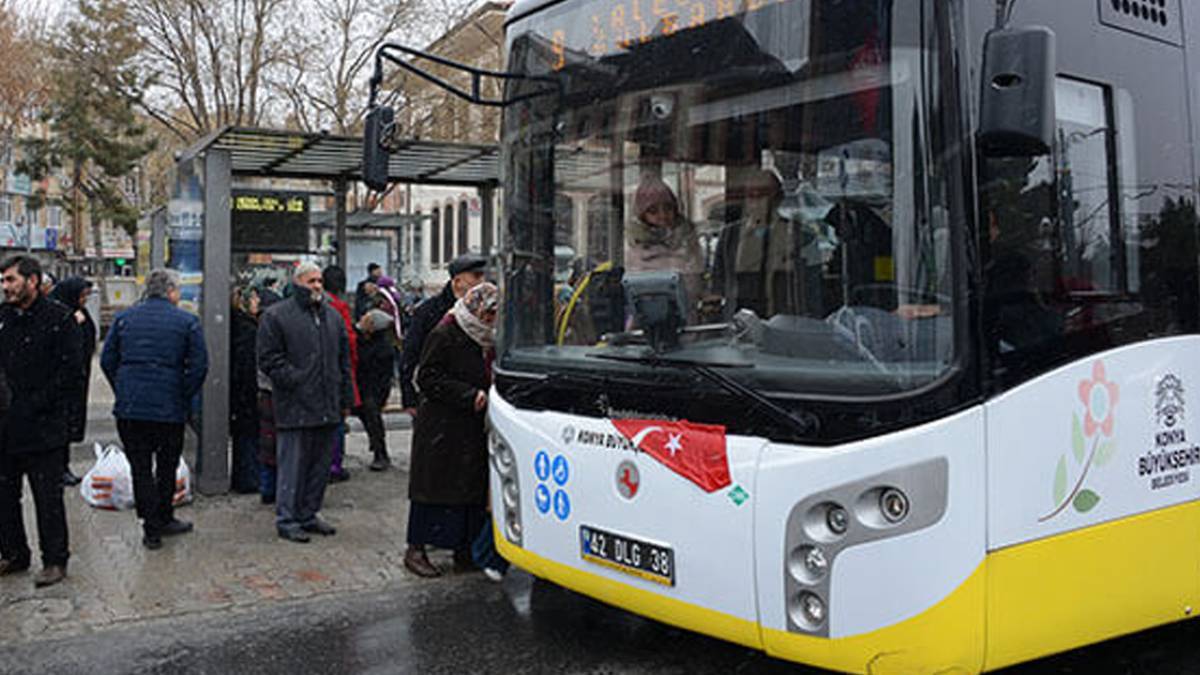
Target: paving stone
<point x="232" y="561"/>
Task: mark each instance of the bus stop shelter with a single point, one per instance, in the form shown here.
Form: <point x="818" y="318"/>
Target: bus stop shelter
<point x="243" y="153"/>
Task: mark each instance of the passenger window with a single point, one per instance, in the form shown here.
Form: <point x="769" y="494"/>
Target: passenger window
<point x="1073" y="262"/>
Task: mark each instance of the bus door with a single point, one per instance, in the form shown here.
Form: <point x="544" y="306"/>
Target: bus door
<point x="1090" y="305"/>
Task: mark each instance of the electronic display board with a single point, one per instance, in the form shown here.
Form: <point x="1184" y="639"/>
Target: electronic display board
<point x="270" y="222"/>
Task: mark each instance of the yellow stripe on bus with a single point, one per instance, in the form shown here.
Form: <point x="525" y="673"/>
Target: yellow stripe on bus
<point x="1092" y="584"/>
<point x="637" y="600"/>
<point x="1035" y="599"/>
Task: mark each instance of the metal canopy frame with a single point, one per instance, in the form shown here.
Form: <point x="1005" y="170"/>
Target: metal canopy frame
<point x="272" y="153"/>
<point x="276" y="153"/>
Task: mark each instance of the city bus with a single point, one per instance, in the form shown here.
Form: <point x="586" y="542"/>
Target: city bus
<point x="901" y="381"/>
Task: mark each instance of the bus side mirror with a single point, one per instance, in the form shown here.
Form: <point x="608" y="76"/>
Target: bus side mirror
<point x="1016" y="113"/>
<point x="378" y="126"/>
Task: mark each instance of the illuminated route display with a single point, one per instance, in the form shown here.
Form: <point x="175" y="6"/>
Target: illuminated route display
<point x="608" y="27"/>
<point x="270" y="222"/>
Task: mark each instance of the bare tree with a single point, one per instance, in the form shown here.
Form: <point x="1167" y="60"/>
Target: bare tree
<point x="211" y="59"/>
<point x="22" y="77"/>
<point x="325" y="79"/>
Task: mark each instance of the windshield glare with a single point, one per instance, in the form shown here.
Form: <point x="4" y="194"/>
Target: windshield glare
<point x="751" y="189"/>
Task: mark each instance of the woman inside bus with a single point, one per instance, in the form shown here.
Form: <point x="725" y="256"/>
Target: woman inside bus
<point x="448" y="480"/>
<point x="660" y="239"/>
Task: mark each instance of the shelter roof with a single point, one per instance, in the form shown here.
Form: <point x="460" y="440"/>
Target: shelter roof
<point x="321" y="156"/>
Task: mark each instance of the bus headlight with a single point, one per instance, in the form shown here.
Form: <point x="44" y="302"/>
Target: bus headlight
<point x="808" y="564"/>
<point x="510" y="493"/>
<point x="894" y="505"/>
<point x="821" y="526"/>
<point x="502" y="454"/>
<point x="808" y="610"/>
<point x="837" y="519"/>
<point x="504" y="462"/>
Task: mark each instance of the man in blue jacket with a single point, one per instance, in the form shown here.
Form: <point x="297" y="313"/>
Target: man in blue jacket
<point x="41" y="356"/>
<point x="155" y="360"/>
<point x="305" y="351"/>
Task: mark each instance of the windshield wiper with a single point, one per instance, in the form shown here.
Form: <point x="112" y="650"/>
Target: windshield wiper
<point x="712" y="372"/>
<point x="536" y="382"/>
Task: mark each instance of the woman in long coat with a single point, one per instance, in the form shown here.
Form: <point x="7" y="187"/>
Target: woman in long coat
<point x="448" y="482"/>
<point x="243" y="391"/>
<point x="73" y="292"/>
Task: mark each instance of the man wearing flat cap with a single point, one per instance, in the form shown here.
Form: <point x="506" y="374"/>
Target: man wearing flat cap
<point x="466" y="272"/>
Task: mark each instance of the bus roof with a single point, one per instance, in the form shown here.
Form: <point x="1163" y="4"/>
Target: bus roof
<point x="522" y="7"/>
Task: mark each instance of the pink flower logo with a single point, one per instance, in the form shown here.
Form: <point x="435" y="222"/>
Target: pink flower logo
<point x="1100" y="397"/>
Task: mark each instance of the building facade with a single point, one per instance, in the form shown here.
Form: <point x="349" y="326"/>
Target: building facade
<point x="449" y="220"/>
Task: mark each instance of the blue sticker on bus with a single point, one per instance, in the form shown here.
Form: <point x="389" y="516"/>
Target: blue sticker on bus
<point x="562" y="471"/>
<point x="562" y="505"/>
<point x="542" y="496"/>
<point x="541" y="465"/>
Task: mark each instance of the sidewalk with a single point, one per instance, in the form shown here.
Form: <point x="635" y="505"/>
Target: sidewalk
<point x="233" y="560"/>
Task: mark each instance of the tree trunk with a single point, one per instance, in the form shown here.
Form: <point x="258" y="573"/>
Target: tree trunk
<point x="101" y="265"/>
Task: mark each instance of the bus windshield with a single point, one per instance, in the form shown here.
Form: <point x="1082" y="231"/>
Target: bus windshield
<point x="738" y="184"/>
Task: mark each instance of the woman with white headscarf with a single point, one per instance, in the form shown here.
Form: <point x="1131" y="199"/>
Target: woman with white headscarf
<point x="448" y="482"/>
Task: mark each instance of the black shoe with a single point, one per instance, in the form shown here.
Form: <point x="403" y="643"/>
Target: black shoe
<point x="380" y="464"/>
<point x="49" y="576"/>
<point x="152" y="541"/>
<point x="268" y="499"/>
<point x="175" y="527"/>
<point x="8" y="566"/>
<point x="296" y="535"/>
<point x="69" y="479"/>
<point x="463" y="562"/>
<point x="320" y="527"/>
<point x="418" y="563"/>
<point x="339" y="477"/>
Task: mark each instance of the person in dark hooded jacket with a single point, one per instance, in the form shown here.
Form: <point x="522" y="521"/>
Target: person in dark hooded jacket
<point x="73" y="292"/>
<point x="376" y="363"/>
<point x="243" y="391"/>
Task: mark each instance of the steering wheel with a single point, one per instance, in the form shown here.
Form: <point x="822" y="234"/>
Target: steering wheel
<point x="856" y="325"/>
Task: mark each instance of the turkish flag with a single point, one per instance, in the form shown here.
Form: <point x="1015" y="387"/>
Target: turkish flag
<point x="694" y="451"/>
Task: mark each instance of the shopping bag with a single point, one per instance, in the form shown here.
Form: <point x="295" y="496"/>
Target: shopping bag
<point x="109" y="483"/>
<point x="183" y="484"/>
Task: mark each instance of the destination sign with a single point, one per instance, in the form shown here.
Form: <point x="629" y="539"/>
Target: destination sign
<point x="624" y="24"/>
<point x="270" y="222"/>
<point x="270" y="203"/>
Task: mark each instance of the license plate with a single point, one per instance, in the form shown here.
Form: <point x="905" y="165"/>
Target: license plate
<point x="626" y="554"/>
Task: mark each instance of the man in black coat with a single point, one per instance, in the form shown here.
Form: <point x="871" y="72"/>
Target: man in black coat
<point x="41" y="355"/>
<point x="304" y="349"/>
<point x="466" y="272"/>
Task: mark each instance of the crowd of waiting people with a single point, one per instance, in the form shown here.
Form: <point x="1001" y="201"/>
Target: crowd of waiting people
<point x="302" y="359"/>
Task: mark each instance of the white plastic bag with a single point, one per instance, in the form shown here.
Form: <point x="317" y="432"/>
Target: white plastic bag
<point x="109" y="483"/>
<point x="183" y="484"/>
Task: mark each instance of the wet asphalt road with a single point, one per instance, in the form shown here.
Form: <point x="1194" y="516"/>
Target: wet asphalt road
<point x="466" y="624"/>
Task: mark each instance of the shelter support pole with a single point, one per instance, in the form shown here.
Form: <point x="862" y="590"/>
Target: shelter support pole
<point x="213" y="466"/>
<point x="487" y="218"/>
<point x="343" y="245"/>
<point x="158" y="240"/>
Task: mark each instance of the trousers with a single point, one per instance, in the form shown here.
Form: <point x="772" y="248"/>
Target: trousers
<point x="304" y="457"/>
<point x="153" y="450"/>
<point x="45" y="481"/>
